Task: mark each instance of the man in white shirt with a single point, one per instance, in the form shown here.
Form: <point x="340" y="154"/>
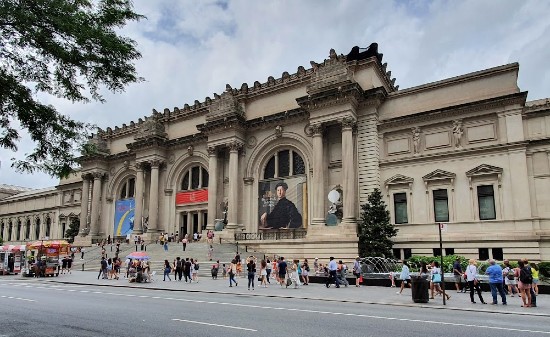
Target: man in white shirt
<point x="332" y="268"/>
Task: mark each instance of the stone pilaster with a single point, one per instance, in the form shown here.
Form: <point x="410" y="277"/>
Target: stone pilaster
<point x="233" y="207"/>
<point x="368" y="163"/>
<point x="138" y="213"/>
<point x="83" y="229"/>
<point x="318" y="216"/>
<point x="348" y="172"/>
<point x="212" y="187"/>
<point x="96" y="203"/>
<point x="154" y="196"/>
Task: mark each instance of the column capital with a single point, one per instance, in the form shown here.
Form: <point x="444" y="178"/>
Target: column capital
<point x="212" y="151"/>
<point x="140" y="166"/>
<point x="97" y="175"/>
<point x="317" y="129"/>
<point x="234" y="146"/>
<point x="86" y="176"/>
<point x="348" y="123"/>
<point x="156" y="163"/>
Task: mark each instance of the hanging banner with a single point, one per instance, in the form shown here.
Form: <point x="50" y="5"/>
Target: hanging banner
<point x="124" y="216"/>
<point x="191" y="197"/>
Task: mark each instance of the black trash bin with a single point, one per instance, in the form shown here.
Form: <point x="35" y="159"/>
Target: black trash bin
<point x="420" y="288"/>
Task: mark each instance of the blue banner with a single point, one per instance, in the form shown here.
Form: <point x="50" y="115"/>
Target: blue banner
<point x="124" y="216"/>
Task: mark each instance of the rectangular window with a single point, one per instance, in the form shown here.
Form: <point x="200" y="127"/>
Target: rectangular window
<point x="397" y="253"/>
<point x="483" y="254"/>
<point x="449" y="251"/>
<point x="437" y="251"/>
<point x="400" y="207"/>
<point x="441" y="205"/>
<point x="486" y="202"/>
<point x="498" y="254"/>
<point x="407" y="253"/>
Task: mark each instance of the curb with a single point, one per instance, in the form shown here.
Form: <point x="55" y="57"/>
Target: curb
<point x="409" y="305"/>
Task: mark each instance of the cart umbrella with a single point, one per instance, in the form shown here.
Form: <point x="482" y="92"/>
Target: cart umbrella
<point x="138" y="256"/>
<point x="13" y="248"/>
<point x="48" y="244"/>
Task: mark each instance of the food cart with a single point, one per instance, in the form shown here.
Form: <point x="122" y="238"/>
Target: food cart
<point x="47" y="254"/>
<point x="12" y="259"/>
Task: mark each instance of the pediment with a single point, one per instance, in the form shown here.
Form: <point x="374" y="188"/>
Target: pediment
<point x="484" y="170"/>
<point x="399" y="179"/>
<point x="439" y="175"/>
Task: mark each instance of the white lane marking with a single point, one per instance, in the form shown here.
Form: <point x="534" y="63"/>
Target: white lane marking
<point x="315" y="312"/>
<point x="212" y="324"/>
<point x="18" y="298"/>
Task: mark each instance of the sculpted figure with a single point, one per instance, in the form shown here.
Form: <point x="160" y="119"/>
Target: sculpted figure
<point x="457" y="132"/>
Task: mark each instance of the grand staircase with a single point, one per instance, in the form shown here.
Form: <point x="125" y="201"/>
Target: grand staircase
<point x="224" y="252"/>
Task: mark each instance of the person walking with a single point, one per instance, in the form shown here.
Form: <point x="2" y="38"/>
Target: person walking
<point x="305" y="272"/>
<point x="510" y="281"/>
<point x="282" y="267"/>
<point x="357" y="271"/>
<point x="525" y="283"/>
<point x="268" y="270"/>
<point x="187" y="270"/>
<point x="232" y="270"/>
<point x="184" y="242"/>
<point x="251" y="268"/>
<point x="457" y="273"/>
<point x="495" y="281"/>
<point x="167" y="270"/>
<point x="179" y="268"/>
<point x="103" y="269"/>
<point x="405" y="276"/>
<point x="332" y="269"/>
<point x="471" y="277"/>
<point x="263" y="273"/>
<point x="437" y="273"/>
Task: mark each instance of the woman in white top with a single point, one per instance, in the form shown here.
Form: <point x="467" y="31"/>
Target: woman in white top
<point x="471" y="277"/>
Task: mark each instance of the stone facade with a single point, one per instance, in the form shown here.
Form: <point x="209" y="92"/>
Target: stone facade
<point x="468" y="151"/>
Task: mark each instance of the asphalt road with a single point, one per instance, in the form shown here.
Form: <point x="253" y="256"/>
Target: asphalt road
<point x="29" y="308"/>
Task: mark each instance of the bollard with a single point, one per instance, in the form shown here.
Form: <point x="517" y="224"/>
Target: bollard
<point x="83" y="267"/>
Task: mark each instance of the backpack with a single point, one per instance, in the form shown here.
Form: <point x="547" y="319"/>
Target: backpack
<point x="178" y="264"/>
<point x="196" y="266"/>
<point x="510" y="275"/>
<point x="525" y="275"/>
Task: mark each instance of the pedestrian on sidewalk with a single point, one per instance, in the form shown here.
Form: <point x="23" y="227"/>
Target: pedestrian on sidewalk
<point x="357" y="271"/>
<point x="187" y="270"/>
<point x="103" y="269"/>
<point x="405" y="276"/>
<point x="179" y="268"/>
<point x="196" y="271"/>
<point x="167" y="270"/>
<point x="495" y="281"/>
<point x="251" y="268"/>
<point x="82" y="251"/>
<point x="184" y="242"/>
<point x="473" y="283"/>
<point x="305" y="272"/>
<point x="232" y="270"/>
<point x="457" y="273"/>
<point x="166" y="246"/>
<point x="263" y="273"/>
<point x="332" y="270"/>
<point x="268" y="270"/>
<point x="282" y="267"/>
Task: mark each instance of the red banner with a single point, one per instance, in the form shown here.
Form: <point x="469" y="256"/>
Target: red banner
<point x="191" y="197"/>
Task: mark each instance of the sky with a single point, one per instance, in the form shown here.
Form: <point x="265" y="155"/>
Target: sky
<point x="192" y="49"/>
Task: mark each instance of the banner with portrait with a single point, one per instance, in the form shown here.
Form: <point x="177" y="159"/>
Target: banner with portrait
<point x="282" y="203"/>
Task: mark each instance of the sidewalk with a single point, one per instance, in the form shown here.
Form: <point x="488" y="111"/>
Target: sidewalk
<point x="352" y="294"/>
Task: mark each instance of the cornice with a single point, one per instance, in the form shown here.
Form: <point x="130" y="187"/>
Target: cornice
<point x="154" y="141"/>
<point x="231" y="122"/>
<point x="187" y="140"/>
<point x="454" y="111"/>
<point x="347" y="93"/>
<point x="282" y="118"/>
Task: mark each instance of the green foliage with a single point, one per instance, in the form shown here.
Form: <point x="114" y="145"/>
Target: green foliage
<point x="66" y="49"/>
<point x="374" y="228"/>
<point x="544" y="269"/>
<point x="72" y="231"/>
<point x="448" y="262"/>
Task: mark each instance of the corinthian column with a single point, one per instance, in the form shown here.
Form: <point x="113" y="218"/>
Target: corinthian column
<point x="154" y="196"/>
<point x="212" y="187"/>
<point x="138" y="212"/>
<point x="348" y="172"/>
<point x="96" y="206"/>
<point x="318" y="179"/>
<point x="233" y="207"/>
<point x="84" y="204"/>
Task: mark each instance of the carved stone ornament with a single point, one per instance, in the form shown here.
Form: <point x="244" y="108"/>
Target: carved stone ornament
<point x="457" y="133"/>
<point x="172" y="159"/>
<point x="152" y="127"/>
<point x="234" y="146"/>
<point x="248" y="180"/>
<point x="333" y="72"/>
<point x="156" y="163"/>
<point x="316" y="129"/>
<point x="251" y="142"/>
<point x="278" y="131"/>
<point x="190" y="150"/>
<point x="416" y="139"/>
<point x="212" y="151"/>
<point x="226" y="105"/>
<point x="97" y="145"/>
<point x="348" y="123"/>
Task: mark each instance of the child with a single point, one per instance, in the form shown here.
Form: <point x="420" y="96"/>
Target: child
<point x="224" y="271"/>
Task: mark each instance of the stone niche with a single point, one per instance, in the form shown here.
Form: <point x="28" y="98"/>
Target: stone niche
<point x="437" y="139"/>
<point x="481" y="132"/>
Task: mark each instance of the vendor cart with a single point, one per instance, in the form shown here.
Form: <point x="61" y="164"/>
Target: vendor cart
<point x="12" y="259"/>
<point x="47" y="254"/>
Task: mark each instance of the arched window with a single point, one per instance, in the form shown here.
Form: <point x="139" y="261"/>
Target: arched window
<point x="128" y="189"/>
<point x="196" y="177"/>
<point x="284" y="163"/>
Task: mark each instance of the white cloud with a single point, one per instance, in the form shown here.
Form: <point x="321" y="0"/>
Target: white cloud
<point x="191" y="49"/>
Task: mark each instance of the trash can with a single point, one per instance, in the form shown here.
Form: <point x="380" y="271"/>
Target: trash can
<point x="420" y="289"/>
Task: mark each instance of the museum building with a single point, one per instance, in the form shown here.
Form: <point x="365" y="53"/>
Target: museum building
<point x="286" y="164"/>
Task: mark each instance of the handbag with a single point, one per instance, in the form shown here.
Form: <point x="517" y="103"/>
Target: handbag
<point x="259" y="279"/>
<point x="436" y="278"/>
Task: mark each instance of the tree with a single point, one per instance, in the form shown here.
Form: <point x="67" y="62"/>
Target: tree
<point x="72" y="231"/>
<point x="374" y="228"/>
<point x="65" y="48"/>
